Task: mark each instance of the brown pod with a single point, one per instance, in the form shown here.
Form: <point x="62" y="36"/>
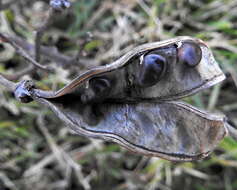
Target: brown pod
<point x="139" y="115"/>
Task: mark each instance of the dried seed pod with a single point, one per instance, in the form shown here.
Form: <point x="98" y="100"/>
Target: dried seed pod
<point x="141" y="122"/>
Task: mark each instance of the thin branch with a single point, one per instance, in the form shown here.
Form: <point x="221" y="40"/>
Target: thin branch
<point x="6" y="83"/>
<point x="55" y="6"/>
<point x="40" y="32"/>
<point x="54" y="147"/>
<point x="148" y="11"/>
<point x="62" y="157"/>
<point x="23" y="53"/>
<point x="19" y="74"/>
<point x="82" y="45"/>
<point x="53" y="54"/>
<point x="7" y="182"/>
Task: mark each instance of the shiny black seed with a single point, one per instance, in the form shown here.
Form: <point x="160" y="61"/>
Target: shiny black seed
<point x="190" y="54"/>
<point x="99" y="89"/>
<point x="151" y="70"/>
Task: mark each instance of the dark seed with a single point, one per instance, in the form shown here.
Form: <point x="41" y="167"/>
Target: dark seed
<point x="99" y="89"/>
<point x="151" y="70"/>
<point x="100" y="85"/>
<point x="190" y="54"/>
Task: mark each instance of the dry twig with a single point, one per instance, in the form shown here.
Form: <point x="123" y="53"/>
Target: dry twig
<point x="19" y="74"/>
<point x="6" y="83"/>
<point x="62" y="157"/>
<point x="53" y="54"/>
<point x="24" y="54"/>
<point x="40" y="32"/>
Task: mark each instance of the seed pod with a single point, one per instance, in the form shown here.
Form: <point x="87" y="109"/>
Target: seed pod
<point x="141" y="122"/>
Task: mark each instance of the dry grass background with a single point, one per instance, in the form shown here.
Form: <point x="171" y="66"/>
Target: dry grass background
<point x="38" y="152"/>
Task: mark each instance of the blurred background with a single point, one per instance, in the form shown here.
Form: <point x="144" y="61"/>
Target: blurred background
<point x="37" y="151"/>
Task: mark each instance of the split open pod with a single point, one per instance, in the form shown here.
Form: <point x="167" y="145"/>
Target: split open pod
<point x="131" y="101"/>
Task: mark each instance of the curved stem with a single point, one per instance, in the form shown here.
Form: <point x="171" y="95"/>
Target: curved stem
<point x="8" y="84"/>
<point x="23" y="53"/>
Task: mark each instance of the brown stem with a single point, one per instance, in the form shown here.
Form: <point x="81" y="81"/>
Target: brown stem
<point x="40" y="33"/>
<point x="19" y="74"/>
<point x="23" y="53"/>
<point x="6" y="83"/>
<point x="53" y="54"/>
